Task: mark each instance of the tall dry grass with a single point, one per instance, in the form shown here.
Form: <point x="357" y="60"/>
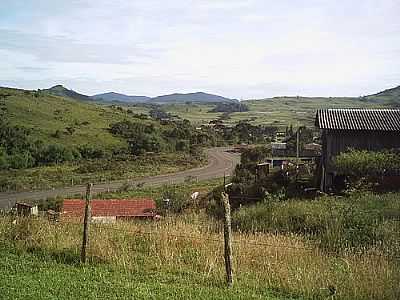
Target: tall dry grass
<point x="192" y="248"/>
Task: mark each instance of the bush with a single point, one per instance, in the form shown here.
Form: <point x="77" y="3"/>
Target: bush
<point x="21" y="160"/>
<point x="356" y="222"/>
<point x="178" y="199"/>
<point x="3" y="160"/>
<point x="145" y="143"/>
<point x="56" y="153"/>
<point x="90" y="152"/>
<point x="367" y="167"/>
<point x="182" y="145"/>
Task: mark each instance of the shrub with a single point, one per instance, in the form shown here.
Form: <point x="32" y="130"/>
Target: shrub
<point x="178" y="199"/>
<point x="182" y="145"/>
<point x="91" y="152"/>
<point x="3" y="160"/>
<point x="368" y="167"/>
<point x="57" y="134"/>
<point x="357" y="222"/>
<point x="56" y="153"/>
<point x="21" y="160"/>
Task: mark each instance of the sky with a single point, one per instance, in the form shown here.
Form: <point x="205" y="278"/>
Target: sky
<point x="244" y="49"/>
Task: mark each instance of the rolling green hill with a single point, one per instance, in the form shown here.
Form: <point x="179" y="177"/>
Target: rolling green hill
<point x="59" y="90"/>
<point x="390" y="97"/>
<point x="47" y="114"/>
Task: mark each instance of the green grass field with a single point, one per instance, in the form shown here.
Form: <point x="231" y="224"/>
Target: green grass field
<point x="280" y="111"/>
<point x="32" y="276"/>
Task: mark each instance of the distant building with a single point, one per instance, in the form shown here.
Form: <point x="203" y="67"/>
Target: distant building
<point x="363" y="129"/>
<point x="26" y="210"/>
<point x="311" y="150"/>
<point x="108" y="211"/>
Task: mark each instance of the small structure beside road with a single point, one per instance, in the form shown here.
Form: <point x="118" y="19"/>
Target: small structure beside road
<point x="26" y="209"/>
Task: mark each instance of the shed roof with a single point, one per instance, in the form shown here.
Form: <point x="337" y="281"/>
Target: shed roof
<point x="112" y="207"/>
<point x="359" y="119"/>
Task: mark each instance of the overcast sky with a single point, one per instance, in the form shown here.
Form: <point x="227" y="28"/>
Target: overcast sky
<point x="235" y="48"/>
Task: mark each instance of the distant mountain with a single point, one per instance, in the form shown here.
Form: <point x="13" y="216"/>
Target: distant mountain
<point x="111" y="96"/>
<point x="198" y="97"/>
<point x="60" y="90"/>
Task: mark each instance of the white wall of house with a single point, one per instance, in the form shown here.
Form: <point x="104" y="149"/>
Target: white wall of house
<point x="104" y="220"/>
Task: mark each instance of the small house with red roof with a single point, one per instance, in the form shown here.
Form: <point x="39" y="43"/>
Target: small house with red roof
<point x="111" y="210"/>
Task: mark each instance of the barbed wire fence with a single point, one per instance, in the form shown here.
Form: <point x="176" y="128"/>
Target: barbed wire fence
<point x="218" y="235"/>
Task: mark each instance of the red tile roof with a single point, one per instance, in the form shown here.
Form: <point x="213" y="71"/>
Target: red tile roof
<point x="112" y="207"/>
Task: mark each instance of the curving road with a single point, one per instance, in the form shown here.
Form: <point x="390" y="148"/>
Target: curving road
<point x="220" y="162"/>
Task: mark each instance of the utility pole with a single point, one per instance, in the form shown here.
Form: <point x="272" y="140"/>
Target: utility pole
<point x="86" y="221"/>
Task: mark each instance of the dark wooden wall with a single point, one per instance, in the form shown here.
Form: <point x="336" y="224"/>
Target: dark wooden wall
<point x="335" y="142"/>
<point x="340" y="141"/>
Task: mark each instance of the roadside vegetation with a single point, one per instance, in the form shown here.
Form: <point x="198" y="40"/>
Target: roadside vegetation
<point x="339" y="247"/>
<point x="183" y="253"/>
<point x="97" y="171"/>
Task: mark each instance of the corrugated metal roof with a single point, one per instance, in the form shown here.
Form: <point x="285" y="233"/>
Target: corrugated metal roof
<point x="359" y="119"/>
<point x="107" y="208"/>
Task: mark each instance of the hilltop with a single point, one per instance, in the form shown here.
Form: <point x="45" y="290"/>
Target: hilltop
<point x="60" y="90"/>
<point x="198" y="97"/>
<point x="390" y="97"/>
<point x="117" y="97"/>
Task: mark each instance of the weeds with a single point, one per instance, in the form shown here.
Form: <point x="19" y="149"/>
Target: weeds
<point x="335" y="224"/>
<point x="191" y="248"/>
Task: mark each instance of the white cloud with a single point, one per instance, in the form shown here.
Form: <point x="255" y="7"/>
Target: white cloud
<point x="237" y="48"/>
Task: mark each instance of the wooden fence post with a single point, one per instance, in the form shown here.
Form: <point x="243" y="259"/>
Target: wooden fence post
<point x="86" y="222"/>
<point x="228" y="240"/>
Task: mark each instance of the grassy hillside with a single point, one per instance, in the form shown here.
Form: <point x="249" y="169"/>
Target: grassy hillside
<point x="390" y="97"/>
<point x="57" y="120"/>
<point x="45" y="114"/>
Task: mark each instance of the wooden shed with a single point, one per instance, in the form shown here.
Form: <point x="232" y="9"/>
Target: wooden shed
<point x="26" y="209"/>
<point x="363" y="129"/>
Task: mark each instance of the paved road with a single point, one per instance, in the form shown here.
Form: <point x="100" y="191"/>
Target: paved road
<point x="220" y="163"/>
